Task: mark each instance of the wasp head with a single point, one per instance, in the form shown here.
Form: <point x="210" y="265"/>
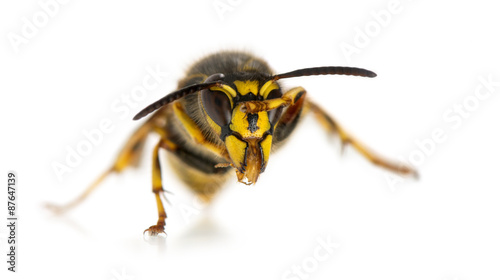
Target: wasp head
<point x="246" y="136"/>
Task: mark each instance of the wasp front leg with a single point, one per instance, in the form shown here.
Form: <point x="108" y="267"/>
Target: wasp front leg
<point x="158" y="186"/>
<point x="331" y="126"/>
<point x="288" y="121"/>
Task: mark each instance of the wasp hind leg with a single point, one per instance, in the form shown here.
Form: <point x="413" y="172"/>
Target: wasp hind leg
<point x="332" y="126"/>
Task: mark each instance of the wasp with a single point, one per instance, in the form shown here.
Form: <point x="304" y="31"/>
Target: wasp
<point x="227" y="115"/>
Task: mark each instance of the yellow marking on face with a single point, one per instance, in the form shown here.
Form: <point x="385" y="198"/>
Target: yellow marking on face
<point x="267" y="88"/>
<point x="226" y="89"/>
<point x="244" y="87"/>
<point x="266" y="148"/>
<point x="229" y="91"/>
<point x="237" y="150"/>
<point x="239" y="123"/>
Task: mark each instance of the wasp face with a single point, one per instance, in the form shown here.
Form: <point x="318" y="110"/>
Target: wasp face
<point x="247" y="136"/>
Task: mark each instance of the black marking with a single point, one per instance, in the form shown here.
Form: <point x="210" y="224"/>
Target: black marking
<point x="252" y="122"/>
<point x="247" y="97"/>
<point x="262" y="163"/>
<point x="298" y="96"/>
<point x="225" y="131"/>
<point x="244" y="163"/>
<point x="199" y="162"/>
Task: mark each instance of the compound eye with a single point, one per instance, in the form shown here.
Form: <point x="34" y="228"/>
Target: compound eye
<point x="217" y="106"/>
<point x="216" y="103"/>
<point x="274" y="115"/>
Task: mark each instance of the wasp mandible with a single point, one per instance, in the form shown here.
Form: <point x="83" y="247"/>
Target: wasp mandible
<point x="228" y="113"/>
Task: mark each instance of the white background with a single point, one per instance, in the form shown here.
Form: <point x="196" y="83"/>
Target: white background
<point x="429" y="57"/>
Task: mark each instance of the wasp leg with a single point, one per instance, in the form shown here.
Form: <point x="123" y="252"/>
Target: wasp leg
<point x="288" y="121"/>
<point x="158" y="186"/>
<point x="128" y="156"/>
<point x="332" y="126"/>
<point x="288" y="99"/>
